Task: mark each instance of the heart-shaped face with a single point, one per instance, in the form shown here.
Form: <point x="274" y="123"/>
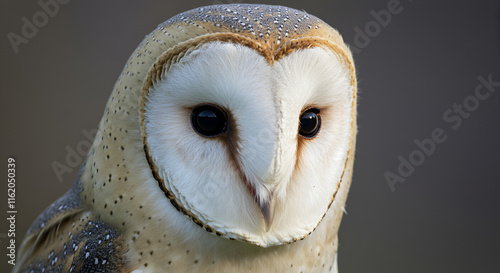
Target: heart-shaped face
<point x="249" y="147"/>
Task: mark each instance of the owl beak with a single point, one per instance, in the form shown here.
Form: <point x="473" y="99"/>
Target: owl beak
<point x="267" y="209"/>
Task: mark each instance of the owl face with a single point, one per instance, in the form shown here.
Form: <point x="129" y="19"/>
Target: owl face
<point x="246" y="148"/>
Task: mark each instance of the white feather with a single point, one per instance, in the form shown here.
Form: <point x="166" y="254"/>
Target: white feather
<point x="266" y="102"/>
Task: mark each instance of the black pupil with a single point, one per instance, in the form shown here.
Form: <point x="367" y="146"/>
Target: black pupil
<point x="309" y="123"/>
<point x="208" y="120"/>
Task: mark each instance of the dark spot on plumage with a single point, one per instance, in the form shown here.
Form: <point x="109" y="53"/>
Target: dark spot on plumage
<point x="197" y="221"/>
<point x="79" y="254"/>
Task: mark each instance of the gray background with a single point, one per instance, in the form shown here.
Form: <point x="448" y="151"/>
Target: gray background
<point x="445" y="216"/>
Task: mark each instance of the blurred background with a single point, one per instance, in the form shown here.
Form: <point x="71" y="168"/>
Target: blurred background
<point x="417" y="63"/>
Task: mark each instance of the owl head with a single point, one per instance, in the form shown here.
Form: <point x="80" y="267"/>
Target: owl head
<point x="240" y="117"/>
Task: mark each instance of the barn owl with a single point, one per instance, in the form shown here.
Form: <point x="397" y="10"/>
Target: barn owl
<point x="227" y="145"/>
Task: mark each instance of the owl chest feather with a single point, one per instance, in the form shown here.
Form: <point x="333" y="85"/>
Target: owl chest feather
<point x="204" y="252"/>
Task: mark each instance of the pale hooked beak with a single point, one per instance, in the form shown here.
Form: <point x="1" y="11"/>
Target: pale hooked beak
<point x="268" y="209"/>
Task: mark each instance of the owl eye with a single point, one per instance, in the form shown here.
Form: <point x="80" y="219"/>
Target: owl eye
<point x="209" y="120"/>
<point x="310" y="123"/>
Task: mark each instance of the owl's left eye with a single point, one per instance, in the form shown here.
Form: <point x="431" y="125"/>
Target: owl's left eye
<point x="209" y="120"/>
<point x="310" y="123"/>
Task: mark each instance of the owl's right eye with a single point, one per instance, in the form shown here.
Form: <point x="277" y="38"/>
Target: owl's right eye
<point x="209" y="120"/>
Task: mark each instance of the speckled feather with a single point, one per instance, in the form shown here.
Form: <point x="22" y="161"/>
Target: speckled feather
<point x="108" y="223"/>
